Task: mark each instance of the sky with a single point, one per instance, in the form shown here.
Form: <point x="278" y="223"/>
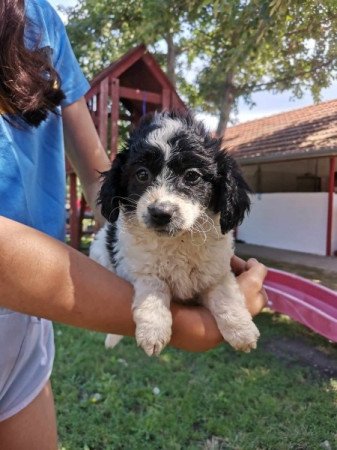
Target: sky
<point x="267" y="104"/>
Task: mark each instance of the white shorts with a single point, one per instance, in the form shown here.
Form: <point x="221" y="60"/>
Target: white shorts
<point x="26" y="359"/>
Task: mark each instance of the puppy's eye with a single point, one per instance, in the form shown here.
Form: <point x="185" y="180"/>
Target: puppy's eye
<point x="192" y="176"/>
<point x="143" y="175"/>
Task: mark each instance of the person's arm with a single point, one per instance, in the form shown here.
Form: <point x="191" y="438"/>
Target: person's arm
<point x="85" y="151"/>
<point x="46" y="278"/>
<point x="43" y="277"/>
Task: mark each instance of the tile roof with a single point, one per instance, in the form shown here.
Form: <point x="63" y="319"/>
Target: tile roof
<point x="300" y="133"/>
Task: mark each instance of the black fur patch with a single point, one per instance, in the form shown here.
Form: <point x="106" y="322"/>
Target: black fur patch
<point x="141" y="156"/>
<point x="111" y="241"/>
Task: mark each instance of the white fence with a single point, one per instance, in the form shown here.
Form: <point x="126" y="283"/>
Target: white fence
<point x="292" y="221"/>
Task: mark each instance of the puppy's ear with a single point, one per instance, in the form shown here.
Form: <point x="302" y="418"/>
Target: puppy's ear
<point x="112" y="188"/>
<point x="232" y="200"/>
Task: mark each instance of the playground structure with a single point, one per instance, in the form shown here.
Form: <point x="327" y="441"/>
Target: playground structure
<point x="130" y="87"/>
<point x="306" y="302"/>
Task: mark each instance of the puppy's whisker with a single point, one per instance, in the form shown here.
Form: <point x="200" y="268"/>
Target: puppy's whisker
<point x="208" y="220"/>
<point x="199" y="227"/>
<point x="203" y="226"/>
<point x="195" y="230"/>
<point x="129" y="217"/>
<point x="127" y="199"/>
<point x="111" y="212"/>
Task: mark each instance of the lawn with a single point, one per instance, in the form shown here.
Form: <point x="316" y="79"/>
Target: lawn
<point x="281" y="396"/>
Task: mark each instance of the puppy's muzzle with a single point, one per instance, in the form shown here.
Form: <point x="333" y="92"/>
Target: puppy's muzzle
<point x="162" y="216"/>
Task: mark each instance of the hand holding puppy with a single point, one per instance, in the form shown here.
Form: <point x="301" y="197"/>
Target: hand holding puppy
<point x="250" y="275"/>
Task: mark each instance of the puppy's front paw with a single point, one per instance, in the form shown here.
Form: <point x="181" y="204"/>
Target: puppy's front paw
<point x="152" y="339"/>
<point x="153" y="335"/>
<point x="243" y="337"/>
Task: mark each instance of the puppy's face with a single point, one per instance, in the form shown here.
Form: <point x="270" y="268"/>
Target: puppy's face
<point x="173" y="177"/>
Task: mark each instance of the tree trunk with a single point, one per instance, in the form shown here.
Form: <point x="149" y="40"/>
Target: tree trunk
<point x="171" y="59"/>
<point x="227" y="101"/>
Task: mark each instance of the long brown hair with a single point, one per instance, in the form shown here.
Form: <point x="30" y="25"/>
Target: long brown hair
<point x="29" y="85"/>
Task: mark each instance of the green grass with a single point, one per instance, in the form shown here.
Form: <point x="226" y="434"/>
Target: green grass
<point x="275" y="398"/>
<point x="122" y="399"/>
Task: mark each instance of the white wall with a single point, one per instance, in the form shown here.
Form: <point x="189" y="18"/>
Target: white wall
<point x="293" y="221"/>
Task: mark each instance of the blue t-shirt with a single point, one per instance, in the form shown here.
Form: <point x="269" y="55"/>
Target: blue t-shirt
<point x="32" y="162"/>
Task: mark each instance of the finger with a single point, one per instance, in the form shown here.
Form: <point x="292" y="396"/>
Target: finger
<point x="238" y="265"/>
<point x="259" y="303"/>
<point x="254" y="276"/>
<point x="264" y="296"/>
<point x="256" y="268"/>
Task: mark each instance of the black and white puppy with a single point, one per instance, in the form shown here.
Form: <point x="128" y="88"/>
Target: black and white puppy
<point x="171" y="199"/>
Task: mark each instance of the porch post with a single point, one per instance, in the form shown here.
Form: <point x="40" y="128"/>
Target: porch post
<point x="330" y="204"/>
<point x="103" y="112"/>
<point x="114" y="116"/>
<point x="165" y="99"/>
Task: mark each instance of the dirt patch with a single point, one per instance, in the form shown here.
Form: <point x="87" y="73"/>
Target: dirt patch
<point x="299" y="352"/>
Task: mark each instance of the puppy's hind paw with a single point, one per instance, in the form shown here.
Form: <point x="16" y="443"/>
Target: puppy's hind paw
<point x="112" y="340"/>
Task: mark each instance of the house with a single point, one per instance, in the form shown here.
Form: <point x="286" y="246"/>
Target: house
<point x="289" y="160"/>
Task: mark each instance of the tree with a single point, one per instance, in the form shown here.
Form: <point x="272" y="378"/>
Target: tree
<point x="102" y="30"/>
<point x="237" y="47"/>
<point x="246" y="46"/>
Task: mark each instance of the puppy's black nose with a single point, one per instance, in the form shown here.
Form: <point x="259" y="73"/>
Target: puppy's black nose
<point x="161" y="214"/>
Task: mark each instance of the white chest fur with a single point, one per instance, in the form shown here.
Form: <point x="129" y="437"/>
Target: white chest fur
<point x="189" y="263"/>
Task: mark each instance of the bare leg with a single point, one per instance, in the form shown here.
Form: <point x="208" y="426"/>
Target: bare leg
<point x="34" y="427"/>
<point x="227" y="304"/>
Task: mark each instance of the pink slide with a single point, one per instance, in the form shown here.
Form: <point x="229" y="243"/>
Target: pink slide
<point x="312" y="305"/>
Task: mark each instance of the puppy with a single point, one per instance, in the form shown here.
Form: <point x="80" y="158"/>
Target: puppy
<point x="171" y="199"/>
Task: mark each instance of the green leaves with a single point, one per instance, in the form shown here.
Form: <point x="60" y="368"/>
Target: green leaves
<point x="272" y="45"/>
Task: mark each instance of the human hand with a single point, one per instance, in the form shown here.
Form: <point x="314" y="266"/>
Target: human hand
<point x="250" y="275"/>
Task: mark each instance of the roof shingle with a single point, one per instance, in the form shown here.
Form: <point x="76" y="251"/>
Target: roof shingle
<point x="304" y="132"/>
